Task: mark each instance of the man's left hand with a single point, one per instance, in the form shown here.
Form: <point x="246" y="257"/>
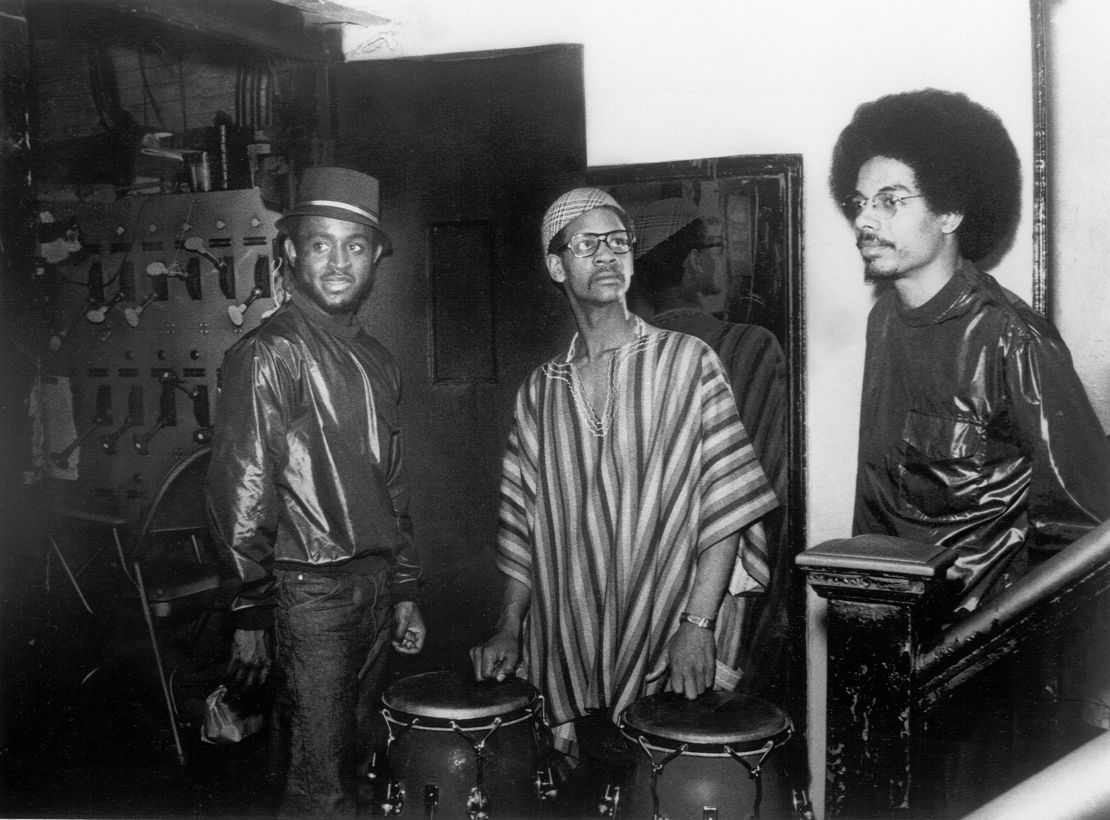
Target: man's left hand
<point x="691" y="656"/>
<point x="408" y="632"/>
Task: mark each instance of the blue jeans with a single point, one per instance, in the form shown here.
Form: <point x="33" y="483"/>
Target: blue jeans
<point x="332" y="647"/>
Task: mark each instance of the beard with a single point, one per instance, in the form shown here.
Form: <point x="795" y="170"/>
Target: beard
<point x="881" y="267"/>
<point x="873" y="273"/>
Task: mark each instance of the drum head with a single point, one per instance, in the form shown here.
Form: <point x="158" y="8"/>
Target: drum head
<point x="741" y="721"/>
<point x="450" y="696"/>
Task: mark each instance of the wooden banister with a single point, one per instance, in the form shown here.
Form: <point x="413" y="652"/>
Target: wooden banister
<point x="1038" y="601"/>
<point x="890" y="663"/>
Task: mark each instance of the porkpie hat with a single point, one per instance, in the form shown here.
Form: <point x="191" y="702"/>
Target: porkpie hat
<point x="339" y="193"/>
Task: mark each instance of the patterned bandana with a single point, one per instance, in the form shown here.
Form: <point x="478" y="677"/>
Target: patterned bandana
<point x="569" y="207"/>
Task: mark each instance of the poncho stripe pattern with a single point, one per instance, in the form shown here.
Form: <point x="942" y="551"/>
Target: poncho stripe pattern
<point x="606" y="530"/>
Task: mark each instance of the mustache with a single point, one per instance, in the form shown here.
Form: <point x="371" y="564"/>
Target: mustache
<point x="869" y="238"/>
<point x="607" y="269"/>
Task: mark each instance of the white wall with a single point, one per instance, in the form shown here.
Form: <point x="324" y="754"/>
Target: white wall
<point x="704" y="78"/>
<point x="1079" y="39"/>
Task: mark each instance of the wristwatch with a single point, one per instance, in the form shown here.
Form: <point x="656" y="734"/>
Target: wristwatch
<point x="704" y="623"/>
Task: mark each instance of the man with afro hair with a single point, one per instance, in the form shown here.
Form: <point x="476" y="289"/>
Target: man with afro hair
<point x="975" y="431"/>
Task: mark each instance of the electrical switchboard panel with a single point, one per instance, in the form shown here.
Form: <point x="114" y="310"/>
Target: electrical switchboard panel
<point x="162" y="286"/>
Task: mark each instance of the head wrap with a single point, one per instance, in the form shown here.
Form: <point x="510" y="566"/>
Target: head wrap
<point x="569" y="207"/>
<point x="660" y="220"/>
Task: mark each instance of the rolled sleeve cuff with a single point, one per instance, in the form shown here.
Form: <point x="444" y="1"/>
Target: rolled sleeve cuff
<point x="404" y="589"/>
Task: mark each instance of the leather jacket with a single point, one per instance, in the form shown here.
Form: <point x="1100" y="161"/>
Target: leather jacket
<point x="306" y="470"/>
<point x="976" y="433"/>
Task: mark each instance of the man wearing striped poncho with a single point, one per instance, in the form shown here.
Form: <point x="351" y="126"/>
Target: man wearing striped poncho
<point x="627" y="484"/>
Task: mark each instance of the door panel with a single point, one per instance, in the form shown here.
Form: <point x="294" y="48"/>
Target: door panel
<point x="469" y="150"/>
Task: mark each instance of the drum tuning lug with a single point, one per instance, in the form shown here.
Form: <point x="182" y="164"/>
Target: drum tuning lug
<point x="546" y="789"/>
<point x="431" y="800"/>
<point x="611" y="802"/>
<point x="394" y="802"/>
<point x="803" y="807"/>
<point x="477" y="804"/>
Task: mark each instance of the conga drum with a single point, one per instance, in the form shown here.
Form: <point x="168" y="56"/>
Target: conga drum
<point x="704" y="759"/>
<point x="460" y="748"/>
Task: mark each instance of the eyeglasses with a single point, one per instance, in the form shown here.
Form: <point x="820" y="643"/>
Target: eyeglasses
<point x="885" y="204"/>
<point x="586" y="244"/>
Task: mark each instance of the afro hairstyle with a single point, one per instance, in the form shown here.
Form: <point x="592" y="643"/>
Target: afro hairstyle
<point x="960" y="153"/>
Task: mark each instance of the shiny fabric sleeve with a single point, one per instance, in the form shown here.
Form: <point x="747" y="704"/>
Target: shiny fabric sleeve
<point x="248" y="447"/>
<point x="1070" y="484"/>
<point x="404" y="578"/>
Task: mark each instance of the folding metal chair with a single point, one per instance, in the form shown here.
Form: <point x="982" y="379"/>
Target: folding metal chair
<point x="169" y="585"/>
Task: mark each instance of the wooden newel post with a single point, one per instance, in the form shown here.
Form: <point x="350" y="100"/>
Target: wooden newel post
<point x="881" y="592"/>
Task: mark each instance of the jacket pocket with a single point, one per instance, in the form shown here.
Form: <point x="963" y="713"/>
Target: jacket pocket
<point x="940" y="471"/>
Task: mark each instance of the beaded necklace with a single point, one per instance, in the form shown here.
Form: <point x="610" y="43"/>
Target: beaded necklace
<point x="597" y="424"/>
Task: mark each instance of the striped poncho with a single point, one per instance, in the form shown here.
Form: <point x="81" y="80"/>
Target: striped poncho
<point x="603" y="515"/>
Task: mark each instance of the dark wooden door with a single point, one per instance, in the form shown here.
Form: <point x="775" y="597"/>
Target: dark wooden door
<point x="469" y="150"/>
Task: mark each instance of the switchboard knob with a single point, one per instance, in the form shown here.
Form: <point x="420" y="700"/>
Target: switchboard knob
<point x="196" y="245"/>
<point x="235" y="312"/>
<point x="132" y="314"/>
<point x="98" y="314"/>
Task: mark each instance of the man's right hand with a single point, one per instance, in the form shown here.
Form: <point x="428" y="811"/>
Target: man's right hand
<point x="250" y="658"/>
<point x="496" y="658"/>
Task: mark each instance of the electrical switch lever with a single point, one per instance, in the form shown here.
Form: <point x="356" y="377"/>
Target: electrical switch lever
<point x="103" y="416"/>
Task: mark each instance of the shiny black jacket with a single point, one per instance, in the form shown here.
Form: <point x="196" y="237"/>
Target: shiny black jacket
<point x="976" y="433"/>
<point x="306" y="464"/>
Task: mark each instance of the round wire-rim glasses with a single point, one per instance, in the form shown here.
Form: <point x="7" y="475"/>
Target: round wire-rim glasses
<point x="884" y="203"/>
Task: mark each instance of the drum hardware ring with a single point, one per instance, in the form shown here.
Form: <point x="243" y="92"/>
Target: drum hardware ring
<point x="454" y="726"/>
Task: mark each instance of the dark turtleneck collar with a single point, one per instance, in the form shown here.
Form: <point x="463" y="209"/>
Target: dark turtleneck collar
<point x="344" y="325"/>
<point x="945" y="303"/>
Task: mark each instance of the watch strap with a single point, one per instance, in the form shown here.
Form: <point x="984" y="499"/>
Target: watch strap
<point x="696" y="620"/>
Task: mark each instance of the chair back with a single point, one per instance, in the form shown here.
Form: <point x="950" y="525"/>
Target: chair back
<point x="178" y="506"/>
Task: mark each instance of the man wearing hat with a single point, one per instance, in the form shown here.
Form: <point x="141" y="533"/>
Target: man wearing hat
<point x="309" y="498"/>
<point x="626" y="484"/>
<point x="672" y="269"/>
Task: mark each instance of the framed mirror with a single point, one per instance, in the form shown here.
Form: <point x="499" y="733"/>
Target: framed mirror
<point x="745" y="267"/>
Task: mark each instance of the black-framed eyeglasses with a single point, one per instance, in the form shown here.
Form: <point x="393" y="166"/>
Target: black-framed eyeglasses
<point x="885" y="203"/>
<point x="586" y="244"/>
